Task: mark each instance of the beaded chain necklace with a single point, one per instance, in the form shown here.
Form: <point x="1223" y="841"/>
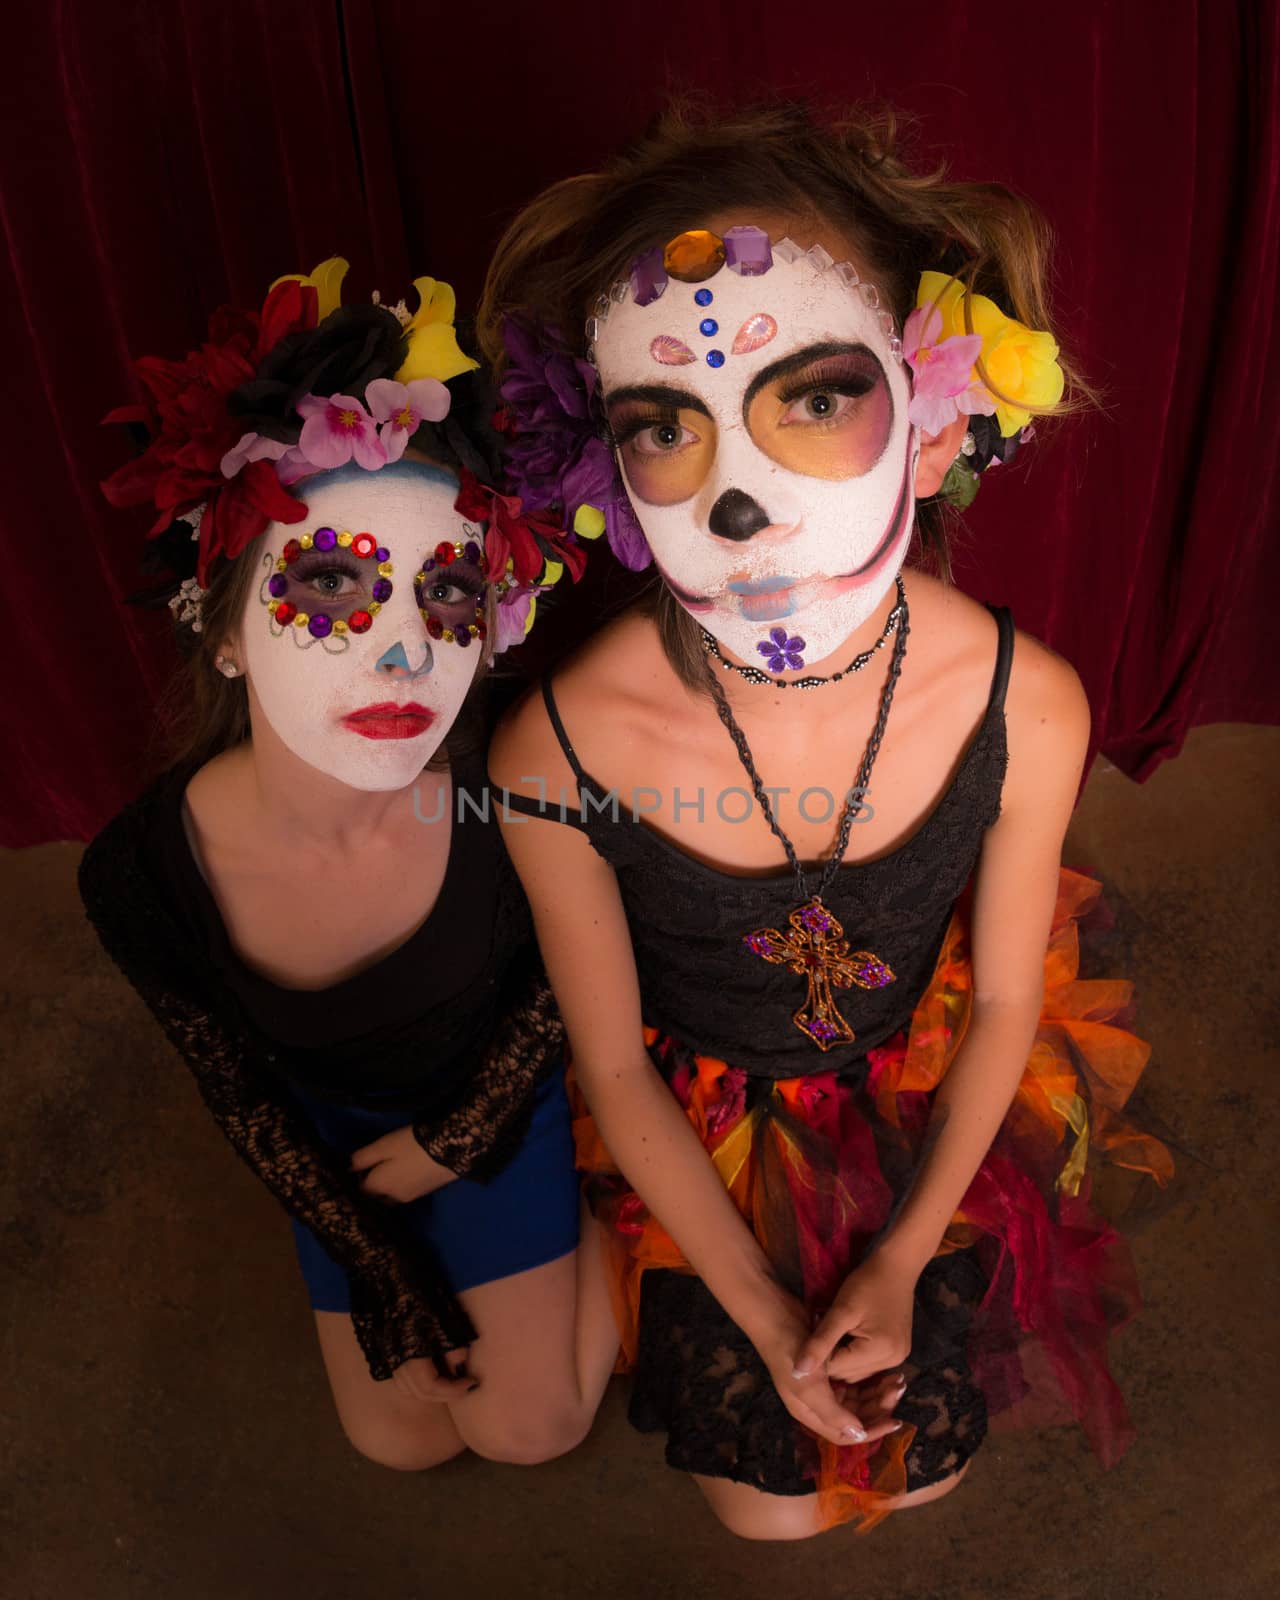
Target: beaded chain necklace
<point x="754" y="675"/>
<point x="815" y="949"/>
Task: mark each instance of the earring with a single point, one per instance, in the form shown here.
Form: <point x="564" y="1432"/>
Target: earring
<point x="226" y="667"/>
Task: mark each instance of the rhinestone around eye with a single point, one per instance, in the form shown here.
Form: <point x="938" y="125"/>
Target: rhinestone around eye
<point x="324" y="538"/>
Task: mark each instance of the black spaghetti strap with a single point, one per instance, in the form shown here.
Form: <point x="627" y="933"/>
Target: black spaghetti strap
<point x="1004" y="657"/>
<point x="571" y="755"/>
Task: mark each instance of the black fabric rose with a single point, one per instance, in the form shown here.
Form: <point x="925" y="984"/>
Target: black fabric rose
<point x="350" y="348"/>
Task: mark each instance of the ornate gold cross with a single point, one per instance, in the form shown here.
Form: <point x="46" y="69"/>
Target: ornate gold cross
<point x="817" y="950"/>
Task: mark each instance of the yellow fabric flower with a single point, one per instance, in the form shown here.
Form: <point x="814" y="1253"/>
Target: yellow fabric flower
<point x="1019" y="366"/>
<point x="326" y="280"/>
<point x="433" y="343"/>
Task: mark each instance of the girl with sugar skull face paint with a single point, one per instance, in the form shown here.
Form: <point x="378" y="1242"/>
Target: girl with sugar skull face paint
<point x="803" y="925"/>
<point x="315" y="901"/>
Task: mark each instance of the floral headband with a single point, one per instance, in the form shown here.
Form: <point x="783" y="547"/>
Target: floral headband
<point x="304" y="386"/>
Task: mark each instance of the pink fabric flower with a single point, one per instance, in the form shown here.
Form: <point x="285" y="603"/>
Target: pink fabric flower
<point x="400" y="407"/>
<point x="337" y="429"/>
<point x="251" y="447"/>
<point x="945" y="385"/>
<point x="511" y="619"/>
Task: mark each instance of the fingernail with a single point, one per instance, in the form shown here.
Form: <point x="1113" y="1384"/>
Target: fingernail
<point x="856" y="1434"/>
<point x="900" y="1382"/>
<point x="893" y="1427"/>
<point x="802" y="1369"/>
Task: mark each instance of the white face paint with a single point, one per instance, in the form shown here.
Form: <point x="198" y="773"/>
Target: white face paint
<point x="776" y="489"/>
<point x="368" y="708"/>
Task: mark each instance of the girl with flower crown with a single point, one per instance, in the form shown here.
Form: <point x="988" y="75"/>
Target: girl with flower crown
<point x="314" y="900"/>
<point x="791" y="828"/>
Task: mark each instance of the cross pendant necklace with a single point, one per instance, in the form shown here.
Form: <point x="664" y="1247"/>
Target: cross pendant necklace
<point x="815" y="947"/>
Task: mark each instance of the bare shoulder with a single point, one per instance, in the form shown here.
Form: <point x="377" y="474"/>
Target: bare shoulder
<point x="600" y="692"/>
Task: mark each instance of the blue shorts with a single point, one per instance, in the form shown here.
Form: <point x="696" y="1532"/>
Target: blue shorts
<point x="524" y="1217"/>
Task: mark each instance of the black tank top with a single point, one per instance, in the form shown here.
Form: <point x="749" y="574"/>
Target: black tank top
<point x="700" y="983"/>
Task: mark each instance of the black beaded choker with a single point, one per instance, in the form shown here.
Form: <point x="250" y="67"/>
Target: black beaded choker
<point x="754" y="675"/>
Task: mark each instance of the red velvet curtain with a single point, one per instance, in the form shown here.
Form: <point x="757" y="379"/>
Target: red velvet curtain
<point x="161" y="156"/>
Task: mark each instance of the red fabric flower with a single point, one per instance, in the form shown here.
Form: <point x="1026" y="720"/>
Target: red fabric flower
<point x="191" y="430"/>
<point x="528" y="538"/>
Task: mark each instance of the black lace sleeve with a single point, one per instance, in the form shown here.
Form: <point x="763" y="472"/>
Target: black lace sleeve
<point x="400" y="1308"/>
<point x="479" y="1138"/>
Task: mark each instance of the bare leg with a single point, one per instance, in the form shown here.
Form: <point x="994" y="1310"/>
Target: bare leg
<point x="752" y="1514"/>
<point x="381" y="1421"/>
<point x="544" y="1356"/>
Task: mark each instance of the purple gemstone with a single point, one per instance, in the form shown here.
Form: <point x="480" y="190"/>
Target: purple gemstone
<point x="320" y="626"/>
<point x="648" y="277"/>
<point x="471" y="550"/>
<point x="758" y="944"/>
<point x="747" y="252"/>
<point x="461" y="636"/>
<point x="278" y="584"/>
<point x="821" y="1029"/>
<point x="815" y="921"/>
<point x="382" y="553"/>
<point x="382" y="589"/>
<point x="324" y="539"/>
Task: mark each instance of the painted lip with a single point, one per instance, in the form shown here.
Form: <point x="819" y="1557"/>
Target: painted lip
<point x="775" y="598"/>
<point x="388" y="720"/>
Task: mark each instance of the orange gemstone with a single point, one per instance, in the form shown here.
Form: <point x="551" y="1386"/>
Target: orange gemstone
<point x="693" y="256"/>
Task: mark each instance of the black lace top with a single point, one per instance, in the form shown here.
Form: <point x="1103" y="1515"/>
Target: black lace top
<point x="698" y="980"/>
<point x="457" y="1028"/>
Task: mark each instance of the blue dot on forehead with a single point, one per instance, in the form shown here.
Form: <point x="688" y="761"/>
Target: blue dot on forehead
<point x="709" y="326"/>
<point x="704" y="297"/>
<point x="715" y="358"/>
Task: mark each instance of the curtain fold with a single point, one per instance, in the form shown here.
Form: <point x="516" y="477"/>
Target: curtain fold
<point x="160" y="158"/>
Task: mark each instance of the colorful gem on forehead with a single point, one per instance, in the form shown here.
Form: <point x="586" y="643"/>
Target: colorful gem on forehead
<point x="715" y="358"/>
<point x="694" y="256"/>
<point x="747" y="251"/>
<point x="754" y="333"/>
<point x="709" y="327"/>
<point x="648" y="278"/>
<point x="670" y="351"/>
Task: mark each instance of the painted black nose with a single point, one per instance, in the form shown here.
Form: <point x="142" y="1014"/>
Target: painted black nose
<point x="736" y="515"/>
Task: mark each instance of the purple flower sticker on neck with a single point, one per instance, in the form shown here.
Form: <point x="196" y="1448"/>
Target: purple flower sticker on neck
<point x="784" y="655"/>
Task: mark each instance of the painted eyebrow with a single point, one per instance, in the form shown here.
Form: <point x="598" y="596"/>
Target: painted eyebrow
<point x="659" y="394"/>
<point x="804" y="358"/>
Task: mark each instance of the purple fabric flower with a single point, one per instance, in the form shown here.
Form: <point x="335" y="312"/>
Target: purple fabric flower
<point x="557" y="456"/>
<point x="784" y="655"/>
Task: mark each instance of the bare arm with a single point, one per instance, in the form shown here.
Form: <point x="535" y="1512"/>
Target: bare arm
<point x="1015" y="890"/>
<point x="586" y="946"/>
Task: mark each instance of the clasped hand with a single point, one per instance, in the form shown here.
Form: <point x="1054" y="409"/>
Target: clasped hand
<point x="397" y="1168"/>
<point x="841" y="1380"/>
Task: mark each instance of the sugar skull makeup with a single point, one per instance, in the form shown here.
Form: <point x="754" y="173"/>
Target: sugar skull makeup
<point x="362" y="634"/>
<point x="758" y="403"/>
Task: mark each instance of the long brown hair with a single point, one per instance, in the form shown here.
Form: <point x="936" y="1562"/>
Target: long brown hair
<point x="577" y="238"/>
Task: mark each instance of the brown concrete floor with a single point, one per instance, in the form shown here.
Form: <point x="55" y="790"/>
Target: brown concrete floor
<point x="167" y="1427"/>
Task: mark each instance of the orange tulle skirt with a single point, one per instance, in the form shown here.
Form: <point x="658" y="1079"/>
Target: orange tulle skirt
<point x="811" y="1163"/>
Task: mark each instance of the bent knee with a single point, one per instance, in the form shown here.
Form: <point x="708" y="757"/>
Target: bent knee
<point x="782" y="1524"/>
<point x="529" y="1441"/>
<point x="400" y="1448"/>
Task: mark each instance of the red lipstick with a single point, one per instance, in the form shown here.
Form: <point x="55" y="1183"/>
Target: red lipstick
<point x="388" y="720"/>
